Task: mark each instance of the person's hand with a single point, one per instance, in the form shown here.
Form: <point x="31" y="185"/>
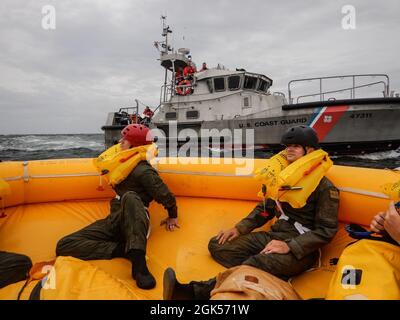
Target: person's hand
<point x="392" y="222"/>
<point x="170" y="223"/>
<point x="227" y="235"/>
<point x="276" y="246"/>
<point x="377" y="223"/>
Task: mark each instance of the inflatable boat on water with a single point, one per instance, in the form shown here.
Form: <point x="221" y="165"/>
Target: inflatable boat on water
<point x="49" y="199"/>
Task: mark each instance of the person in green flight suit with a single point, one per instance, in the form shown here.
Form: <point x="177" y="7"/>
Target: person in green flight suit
<point x="124" y="232"/>
<point x="290" y="247"/>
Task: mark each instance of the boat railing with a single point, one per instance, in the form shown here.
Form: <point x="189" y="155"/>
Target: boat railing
<point x="166" y="93"/>
<point x="127" y="115"/>
<point x="351" y="89"/>
<point x="278" y="93"/>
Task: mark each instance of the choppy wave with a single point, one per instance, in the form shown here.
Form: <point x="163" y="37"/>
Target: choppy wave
<point x="35" y="147"/>
<point x="51" y="142"/>
<point x="392" y="154"/>
<point x="60" y="146"/>
<point x="384" y="159"/>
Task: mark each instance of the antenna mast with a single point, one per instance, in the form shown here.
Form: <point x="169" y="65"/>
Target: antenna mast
<point x="166" y="48"/>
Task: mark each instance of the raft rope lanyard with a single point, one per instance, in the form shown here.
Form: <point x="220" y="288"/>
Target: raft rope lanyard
<point x="264" y="192"/>
<point x="100" y="187"/>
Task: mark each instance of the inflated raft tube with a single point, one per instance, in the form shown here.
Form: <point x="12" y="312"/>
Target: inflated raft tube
<point x="52" y="180"/>
<point x="361" y="195"/>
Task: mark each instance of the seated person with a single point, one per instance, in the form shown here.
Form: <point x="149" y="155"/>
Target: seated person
<point x="124" y="232"/>
<point x="290" y="247"/>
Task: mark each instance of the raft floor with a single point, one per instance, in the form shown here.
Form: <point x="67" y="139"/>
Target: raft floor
<point x="34" y="230"/>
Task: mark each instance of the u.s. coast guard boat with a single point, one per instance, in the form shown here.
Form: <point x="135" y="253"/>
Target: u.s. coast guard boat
<point x="238" y="109"/>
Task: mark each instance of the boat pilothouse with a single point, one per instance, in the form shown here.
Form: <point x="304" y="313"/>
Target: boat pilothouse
<point x="199" y="101"/>
<point x="237" y="109"/>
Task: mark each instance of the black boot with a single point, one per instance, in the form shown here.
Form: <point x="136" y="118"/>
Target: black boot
<point x="173" y="290"/>
<point x="144" y="279"/>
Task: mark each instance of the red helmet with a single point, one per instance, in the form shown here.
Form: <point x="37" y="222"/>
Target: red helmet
<point x="137" y="134"/>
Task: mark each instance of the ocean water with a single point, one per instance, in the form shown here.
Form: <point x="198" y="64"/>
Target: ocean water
<point x="60" y="146"/>
<point x="55" y="146"/>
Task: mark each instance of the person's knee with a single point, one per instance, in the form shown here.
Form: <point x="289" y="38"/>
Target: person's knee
<point x="63" y="246"/>
<point x="131" y="200"/>
<point x="267" y="264"/>
<point x="222" y="253"/>
<point x="24" y="262"/>
<point x="59" y="247"/>
<point x="14" y="267"/>
<point x="131" y="197"/>
<point x="213" y="246"/>
<point x="282" y="266"/>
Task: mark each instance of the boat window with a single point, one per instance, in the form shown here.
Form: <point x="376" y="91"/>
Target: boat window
<point x="250" y="82"/>
<point x="233" y="82"/>
<point x="192" y="114"/>
<point x="262" y="85"/>
<point x="246" y="102"/>
<point x="210" y="85"/>
<point x="219" y="84"/>
<point x="170" y="116"/>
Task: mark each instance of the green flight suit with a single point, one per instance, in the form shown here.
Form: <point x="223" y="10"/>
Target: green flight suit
<point x="127" y="226"/>
<point x="14" y="267"/>
<point x="320" y="215"/>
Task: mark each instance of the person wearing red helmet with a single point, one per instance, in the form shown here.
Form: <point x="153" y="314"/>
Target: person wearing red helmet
<point x="135" y="135"/>
<point x="125" y="231"/>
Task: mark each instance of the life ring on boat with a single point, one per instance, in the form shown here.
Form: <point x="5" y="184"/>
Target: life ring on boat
<point x="183" y="91"/>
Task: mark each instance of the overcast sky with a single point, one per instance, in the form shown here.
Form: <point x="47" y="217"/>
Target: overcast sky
<point x="101" y="56"/>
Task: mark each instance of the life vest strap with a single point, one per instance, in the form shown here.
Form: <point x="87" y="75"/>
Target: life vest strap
<point x="299" y="227"/>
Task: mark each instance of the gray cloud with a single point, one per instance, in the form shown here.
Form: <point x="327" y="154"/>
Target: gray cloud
<point x="101" y="55"/>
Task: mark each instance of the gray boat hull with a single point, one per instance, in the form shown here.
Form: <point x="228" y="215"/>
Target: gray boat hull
<point x="345" y="126"/>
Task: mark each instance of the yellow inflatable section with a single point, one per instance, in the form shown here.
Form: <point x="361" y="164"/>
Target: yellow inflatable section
<point x="52" y="198"/>
<point x="293" y="183"/>
<point x="378" y="267"/>
<point x="116" y="164"/>
<point x="392" y="190"/>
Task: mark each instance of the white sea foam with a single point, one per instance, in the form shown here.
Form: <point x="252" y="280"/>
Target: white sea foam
<point x="51" y="142"/>
<point x="391" y="154"/>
